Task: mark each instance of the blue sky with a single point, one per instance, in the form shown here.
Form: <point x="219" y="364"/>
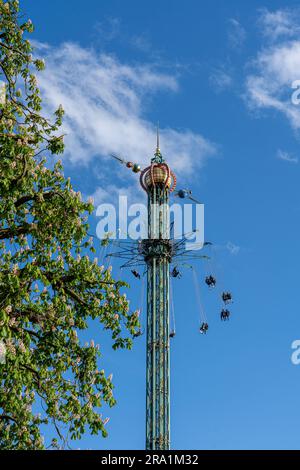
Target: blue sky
<point x="218" y="76"/>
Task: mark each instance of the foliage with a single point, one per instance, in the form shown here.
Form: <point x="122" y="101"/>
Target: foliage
<point x="49" y="287"/>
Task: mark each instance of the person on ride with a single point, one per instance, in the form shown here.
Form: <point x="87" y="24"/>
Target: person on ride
<point x="211" y="281"/>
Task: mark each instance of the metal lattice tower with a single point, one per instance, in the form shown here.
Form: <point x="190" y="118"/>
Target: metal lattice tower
<point x="157" y="252"/>
<point x="158" y="180"/>
<point x="158" y="334"/>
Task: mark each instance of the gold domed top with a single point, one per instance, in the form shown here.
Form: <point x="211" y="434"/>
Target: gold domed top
<point x="158" y="174"/>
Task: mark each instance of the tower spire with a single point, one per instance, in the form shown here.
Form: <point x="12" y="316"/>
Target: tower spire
<point x="157" y="138"/>
<point x="158" y="158"/>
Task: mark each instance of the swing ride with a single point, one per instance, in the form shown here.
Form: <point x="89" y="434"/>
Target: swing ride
<point x="162" y="258"/>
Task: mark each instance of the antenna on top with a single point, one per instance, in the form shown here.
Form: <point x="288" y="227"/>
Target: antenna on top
<point x="157" y="138"/>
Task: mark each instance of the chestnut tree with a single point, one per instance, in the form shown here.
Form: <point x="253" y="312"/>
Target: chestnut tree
<point x="51" y="284"/>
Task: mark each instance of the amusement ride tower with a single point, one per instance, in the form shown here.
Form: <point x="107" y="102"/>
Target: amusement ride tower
<point x="158" y="181"/>
<point x="162" y="255"/>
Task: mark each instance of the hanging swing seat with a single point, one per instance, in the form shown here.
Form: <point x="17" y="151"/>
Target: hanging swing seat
<point x="225" y="315"/>
<point x="204" y="328"/>
<point x="211" y="281"/>
<point x="227" y="297"/>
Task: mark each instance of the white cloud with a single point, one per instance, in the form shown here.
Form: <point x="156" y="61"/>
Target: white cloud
<point x="276" y="67"/>
<point x="236" y="34"/>
<point x="282" y="155"/>
<point x="105" y="103"/>
<point x="274" y="80"/>
<point x="282" y="23"/>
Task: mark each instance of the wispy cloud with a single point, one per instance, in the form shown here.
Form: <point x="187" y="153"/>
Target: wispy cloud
<point x="236" y="34"/>
<point x="108" y="29"/>
<point x="287" y="157"/>
<point x="222" y="75"/>
<point x="279" y="24"/>
<point x="142" y="42"/>
<point x="220" y="79"/>
<point x="232" y="248"/>
<point x="106" y="103"/>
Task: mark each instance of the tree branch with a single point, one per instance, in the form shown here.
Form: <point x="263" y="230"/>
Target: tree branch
<point x="10" y="48"/>
<point x="10" y="232"/>
<point x="33" y="197"/>
<point x="8" y="418"/>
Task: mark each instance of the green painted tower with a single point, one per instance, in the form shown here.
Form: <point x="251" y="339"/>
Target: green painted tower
<point x="158" y="181"/>
<point x="159" y="251"/>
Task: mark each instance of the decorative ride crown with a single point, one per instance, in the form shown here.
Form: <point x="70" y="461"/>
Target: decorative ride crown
<point x="158" y="173"/>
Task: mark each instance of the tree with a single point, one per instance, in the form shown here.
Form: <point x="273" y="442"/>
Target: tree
<point x="49" y="287"/>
